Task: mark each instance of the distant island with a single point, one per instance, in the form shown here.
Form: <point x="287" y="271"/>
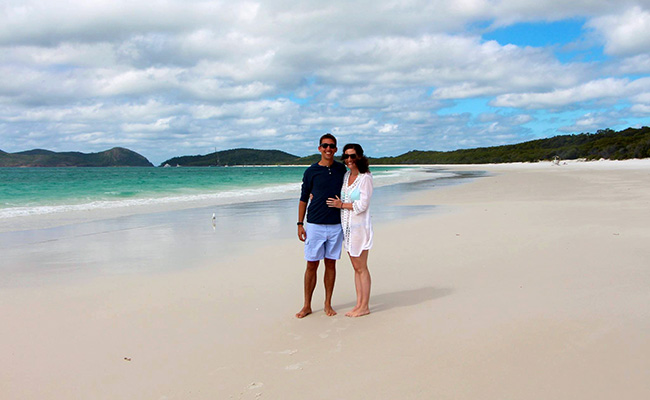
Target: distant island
<point x="233" y="157"/>
<point x="607" y="144"/>
<point x="115" y="157"/>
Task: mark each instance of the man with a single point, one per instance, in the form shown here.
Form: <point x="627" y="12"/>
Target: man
<point x="321" y="232"/>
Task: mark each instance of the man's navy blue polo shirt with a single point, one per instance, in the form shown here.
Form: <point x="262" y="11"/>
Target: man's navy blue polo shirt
<point x="322" y="183"/>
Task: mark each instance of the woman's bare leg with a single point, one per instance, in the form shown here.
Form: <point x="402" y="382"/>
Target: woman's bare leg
<point x="357" y="286"/>
<point x="362" y="282"/>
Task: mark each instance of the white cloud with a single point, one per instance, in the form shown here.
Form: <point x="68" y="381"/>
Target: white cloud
<point x="175" y="75"/>
<point x="594" y="90"/>
<point x="160" y="125"/>
<point x="642" y="96"/>
<point x="642" y="110"/>
<point x="62" y="55"/>
<point x="639" y="64"/>
<point x="625" y="33"/>
<point x="45" y="22"/>
<point x="388" y="128"/>
<point x="466" y="90"/>
<point x="590" y="122"/>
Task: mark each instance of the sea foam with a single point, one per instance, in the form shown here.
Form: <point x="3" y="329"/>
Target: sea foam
<point x="382" y="176"/>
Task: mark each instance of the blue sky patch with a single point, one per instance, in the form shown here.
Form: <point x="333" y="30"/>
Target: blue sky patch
<point x="538" y="34"/>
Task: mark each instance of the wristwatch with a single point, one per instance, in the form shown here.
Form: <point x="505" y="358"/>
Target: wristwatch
<point x="299" y="223"/>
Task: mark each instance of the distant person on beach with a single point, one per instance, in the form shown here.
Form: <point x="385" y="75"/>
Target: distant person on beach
<point x="322" y="231"/>
<point x="355" y="221"/>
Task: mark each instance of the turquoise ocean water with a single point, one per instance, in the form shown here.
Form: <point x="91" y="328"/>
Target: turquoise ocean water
<point x="39" y="191"/>
<point x="58" y="224"/>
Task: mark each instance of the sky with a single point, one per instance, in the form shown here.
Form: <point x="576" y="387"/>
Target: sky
<point x="178" y="77"/>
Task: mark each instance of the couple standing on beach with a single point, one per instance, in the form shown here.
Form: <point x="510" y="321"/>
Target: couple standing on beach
<point x="336" y="203"/>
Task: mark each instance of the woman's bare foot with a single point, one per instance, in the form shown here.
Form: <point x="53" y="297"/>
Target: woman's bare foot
<point x="355" y="309"/>
<point x="358" y="313"/>
<point x="304" y="312"/>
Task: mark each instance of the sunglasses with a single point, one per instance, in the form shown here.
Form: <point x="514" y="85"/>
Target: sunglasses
<point x="346" y="156"/>
<point x="326" y="145"/>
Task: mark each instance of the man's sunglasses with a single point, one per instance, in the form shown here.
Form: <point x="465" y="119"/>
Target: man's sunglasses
<point x="345" y="156"/>
<point x="326" y="145"/>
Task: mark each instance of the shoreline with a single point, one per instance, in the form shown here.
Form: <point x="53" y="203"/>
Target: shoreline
<point x="64" y="211"/>
<point x="167" y="204"/>
<point x="162" y="240"/>
<point x="527" y="283"/>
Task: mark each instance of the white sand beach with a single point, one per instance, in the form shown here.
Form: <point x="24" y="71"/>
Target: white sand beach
<point x="530" y="283"/>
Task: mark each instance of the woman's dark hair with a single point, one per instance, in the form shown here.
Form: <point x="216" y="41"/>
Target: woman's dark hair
<point x="361" y="161"/>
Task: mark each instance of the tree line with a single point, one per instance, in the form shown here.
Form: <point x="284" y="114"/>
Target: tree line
<point x="607" y="144"/>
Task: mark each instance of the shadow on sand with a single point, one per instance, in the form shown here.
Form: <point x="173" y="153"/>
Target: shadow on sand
<point x="386" y="301"/>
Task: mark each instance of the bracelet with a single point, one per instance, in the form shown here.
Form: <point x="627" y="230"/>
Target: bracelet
<point x="299" y="223"/>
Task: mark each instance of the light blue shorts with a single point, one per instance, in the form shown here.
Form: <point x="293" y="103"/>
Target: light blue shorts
<point x="323" y="241"/>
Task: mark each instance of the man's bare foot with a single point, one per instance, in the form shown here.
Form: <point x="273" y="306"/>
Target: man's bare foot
<point x="304" y="312"/>
<point x="329" y="311"/>
<point x="358" y="313"/>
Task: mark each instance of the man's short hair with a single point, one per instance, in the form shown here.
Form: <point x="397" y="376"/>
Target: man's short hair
<point x="327" y="136"/>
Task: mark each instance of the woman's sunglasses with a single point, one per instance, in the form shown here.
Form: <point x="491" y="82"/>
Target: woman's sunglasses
<point x="346" y="156"/>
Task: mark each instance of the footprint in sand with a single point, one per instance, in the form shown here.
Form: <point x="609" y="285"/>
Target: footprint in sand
<point x="287" y="352"/>
<point x="255" y="385"/>
<point x="296" y="367"/>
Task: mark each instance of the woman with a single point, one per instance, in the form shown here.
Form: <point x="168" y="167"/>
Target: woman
<point x="355" y="220"/>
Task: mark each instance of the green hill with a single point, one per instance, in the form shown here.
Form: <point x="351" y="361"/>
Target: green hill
<point x="115" y="157"/>
<point x="234" y="157"/>
<point x="308" y="160"/>
<point x="608" y="144"/>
